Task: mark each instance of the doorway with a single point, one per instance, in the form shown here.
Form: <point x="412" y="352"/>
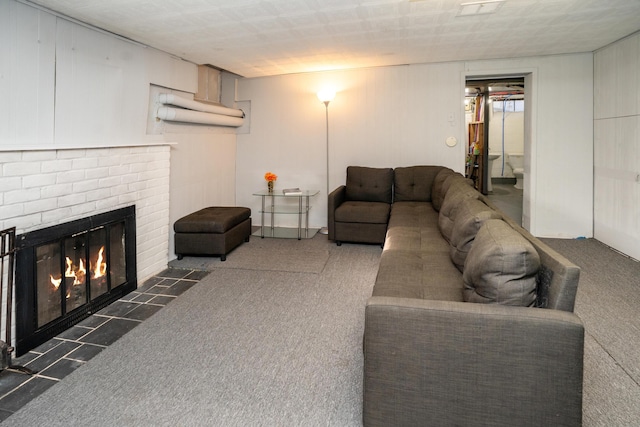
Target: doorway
<point x="495" y="156"/>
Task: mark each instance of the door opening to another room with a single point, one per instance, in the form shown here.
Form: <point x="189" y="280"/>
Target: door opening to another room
<point x="495" y="121"/>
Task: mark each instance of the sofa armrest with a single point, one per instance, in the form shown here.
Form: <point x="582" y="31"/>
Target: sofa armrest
<point x="335" y="199"/>
<point x="456" y="363"/>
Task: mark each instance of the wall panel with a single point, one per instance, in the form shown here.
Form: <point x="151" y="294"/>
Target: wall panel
<point x="96" y="76"/>
<point x="27" y="65"/>
<point x="559" y="158"/>
<point x="617" y="146"/>
<point x="398" y="116"/>
<point x="101" y="88"/>
<point x="380" y="117"/>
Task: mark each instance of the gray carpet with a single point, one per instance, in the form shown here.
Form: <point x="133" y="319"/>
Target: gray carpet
<point x="242" y="347"/>
<point x="608" y="303"/>
<point x="304" y="256"/>
<point x="252" y="347"/>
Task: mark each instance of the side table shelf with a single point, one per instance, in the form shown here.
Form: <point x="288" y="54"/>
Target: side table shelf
<point x="272" y="207"/>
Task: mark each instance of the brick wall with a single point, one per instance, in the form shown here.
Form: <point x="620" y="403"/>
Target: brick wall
<point x="48" y="187"/>
<point x="41" y="188"/>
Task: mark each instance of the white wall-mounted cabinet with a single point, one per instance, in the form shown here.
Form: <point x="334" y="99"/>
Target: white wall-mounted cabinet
<point x="617" y="146"/>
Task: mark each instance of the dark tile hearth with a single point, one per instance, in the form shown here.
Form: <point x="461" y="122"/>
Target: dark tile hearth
<point x="58" y="357"/>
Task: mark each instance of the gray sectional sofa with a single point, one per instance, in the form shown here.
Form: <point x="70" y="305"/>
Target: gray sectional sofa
<point x="471" y="319"/>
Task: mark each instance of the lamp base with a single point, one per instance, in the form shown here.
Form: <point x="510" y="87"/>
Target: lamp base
<point x="324" y="230"/>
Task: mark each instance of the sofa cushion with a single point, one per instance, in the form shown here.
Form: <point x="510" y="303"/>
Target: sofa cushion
<point x="457" y="192"/>
<point x="414" y="183"/>
<point x="369" y="184"/>
<point x="456" y="177"/>
<point x="363" y="212"/>
<point x="416" y="239"/>
<point x="501" y="267"/>
<point x="418" y="274"/>
<point x="471" y="214"/>
<point x="413" y="214"/>
<point x="437" y="191"/>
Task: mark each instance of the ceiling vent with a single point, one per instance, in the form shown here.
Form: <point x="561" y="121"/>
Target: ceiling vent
<point x="480" y="7"/>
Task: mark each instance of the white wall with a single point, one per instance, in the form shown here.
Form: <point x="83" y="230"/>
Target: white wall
<point x="65" y="86"/>
<point x="558" y="141"/>
<point x="398" y="116"/>
<point x="388" y="116"/>
<point x="203" y="163"/>
<point x="617" y="146"/>
<point x="380" y="117"/>
<point x="202" y="172"/>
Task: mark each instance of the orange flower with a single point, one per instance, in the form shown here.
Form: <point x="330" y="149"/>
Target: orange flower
<point x="270" y="176"/>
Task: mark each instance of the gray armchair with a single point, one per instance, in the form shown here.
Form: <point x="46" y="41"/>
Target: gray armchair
<point x="359" y="211"/>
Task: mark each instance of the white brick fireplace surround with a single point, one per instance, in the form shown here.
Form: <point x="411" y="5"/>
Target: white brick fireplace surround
<point x="40" y="188"/>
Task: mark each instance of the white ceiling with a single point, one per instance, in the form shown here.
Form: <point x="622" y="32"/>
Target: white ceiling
<point x="268" y="37"/>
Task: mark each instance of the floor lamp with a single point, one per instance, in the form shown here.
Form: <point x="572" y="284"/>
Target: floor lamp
<point x="326" y="96"/>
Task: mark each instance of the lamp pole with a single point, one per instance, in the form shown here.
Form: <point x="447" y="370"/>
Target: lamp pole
<point x="325" y="96"/>
<point x="325" y="230"/>
<point x="326" y="110"/>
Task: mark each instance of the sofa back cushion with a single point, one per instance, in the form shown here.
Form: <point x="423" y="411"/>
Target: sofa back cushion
<point x="472" y="213"/>
<point x="369" y="184"/>
<point x="414" y="183"/>
<point x="501" y="267"/>
<point x="456" y="194"/>
<point x="437" y="190"/>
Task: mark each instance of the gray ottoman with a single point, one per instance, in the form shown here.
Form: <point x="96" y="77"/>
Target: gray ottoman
<point x="213" y="231"/>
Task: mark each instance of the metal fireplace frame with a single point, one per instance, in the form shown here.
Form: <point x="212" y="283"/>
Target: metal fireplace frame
<point x="28" y="334"/>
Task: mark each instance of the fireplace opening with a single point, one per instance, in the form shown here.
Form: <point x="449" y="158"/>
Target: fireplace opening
<point x="67" y="272"/>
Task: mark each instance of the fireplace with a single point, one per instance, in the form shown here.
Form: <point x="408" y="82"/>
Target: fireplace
<point x="66" y="272"/>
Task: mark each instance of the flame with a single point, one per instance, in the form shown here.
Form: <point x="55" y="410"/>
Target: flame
<point x="55" y="282"/>
<point x="69" y="272"/>
<point x="101" y="266"/>
<point x="79" y="274"/>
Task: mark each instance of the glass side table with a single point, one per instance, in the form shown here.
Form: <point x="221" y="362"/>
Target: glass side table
<point x="286" y="204"/>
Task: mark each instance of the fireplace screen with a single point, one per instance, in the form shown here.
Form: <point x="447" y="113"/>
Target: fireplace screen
<point x="66" y="272"/>
<point x="72" y="272"/>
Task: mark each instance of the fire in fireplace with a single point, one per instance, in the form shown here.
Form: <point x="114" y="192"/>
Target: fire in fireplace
<point x="67" y="272"/>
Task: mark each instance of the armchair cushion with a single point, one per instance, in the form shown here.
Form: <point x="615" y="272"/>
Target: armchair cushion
<point x="363" y="212"/>
<point x="369" y="184"/>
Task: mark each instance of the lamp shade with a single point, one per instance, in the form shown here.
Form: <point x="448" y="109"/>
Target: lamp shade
<point x="326" y="95"/>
